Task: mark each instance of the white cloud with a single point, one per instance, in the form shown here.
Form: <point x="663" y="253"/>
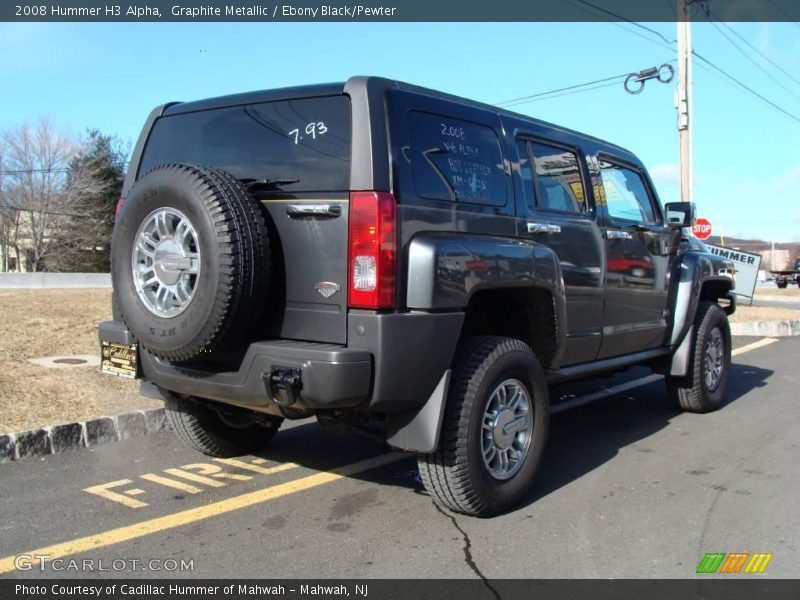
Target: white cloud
<point x="665" y="174"/>
<point x="756" y="208"/>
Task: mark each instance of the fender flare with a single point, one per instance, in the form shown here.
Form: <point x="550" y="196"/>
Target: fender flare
<point x="694" y="270"/>
<point x="444" y="271"/>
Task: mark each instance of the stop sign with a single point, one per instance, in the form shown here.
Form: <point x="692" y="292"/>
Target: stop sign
<point x="702" y="228"/>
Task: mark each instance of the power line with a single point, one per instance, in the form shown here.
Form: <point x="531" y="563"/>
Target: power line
<point x="523" y="99"/>
<point x="41" y="212"/>
<point x="621" y="26"/>
<point x="784" y="13"/>
<point x="588" y="89"/>
<point x="621" y="18"/>
<point x="752" y="60"/>
<point x="745" y="86"/>
<point x="767" y="58"/>
<point x="28" y="171"/>
<point x="574" y="89"/>
<point x="712" y="65"/>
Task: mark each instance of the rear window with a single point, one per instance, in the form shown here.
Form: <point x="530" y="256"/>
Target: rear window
<point x="456" y="160"/>
<point x="306" y="140"/>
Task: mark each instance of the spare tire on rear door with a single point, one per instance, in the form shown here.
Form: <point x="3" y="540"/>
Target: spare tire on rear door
<point x="190" y="263"/>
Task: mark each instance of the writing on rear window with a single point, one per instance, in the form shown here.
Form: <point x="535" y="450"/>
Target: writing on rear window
<point x="312" y="130"/>
<point x="456" y="160"/>
<point x="304" y="143"/>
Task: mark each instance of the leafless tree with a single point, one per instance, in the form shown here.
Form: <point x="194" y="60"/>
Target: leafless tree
<point x="9" y="234"/>
<point x="35" y="165"/>
<point x="85" y="233"/>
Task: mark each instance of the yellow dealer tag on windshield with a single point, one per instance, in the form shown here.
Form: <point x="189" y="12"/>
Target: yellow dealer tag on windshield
<point x="612" y="192"/>
<point x="577" y="189"/>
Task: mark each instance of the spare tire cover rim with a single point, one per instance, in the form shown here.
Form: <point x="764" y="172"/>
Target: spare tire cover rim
<point x="165" y="262"/>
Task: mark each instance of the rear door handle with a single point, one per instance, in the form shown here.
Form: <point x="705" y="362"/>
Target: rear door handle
<point x="296" y="211"/>
<point x="543" y="228"/>
<point x="616" y="234"/>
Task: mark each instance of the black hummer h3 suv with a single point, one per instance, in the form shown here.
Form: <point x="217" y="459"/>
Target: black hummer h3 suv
<point x="389" y="257"/>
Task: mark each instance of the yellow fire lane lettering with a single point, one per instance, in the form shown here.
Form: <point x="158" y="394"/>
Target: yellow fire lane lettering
<point x="193" y="515"/>
<point x="104" y="491"/>
<point x="215" y="471"/>
<point x="255" y="468"/>
<point x="171" y="483"/>
<point x="195" y="477"/>
<point x="206" y="474"/>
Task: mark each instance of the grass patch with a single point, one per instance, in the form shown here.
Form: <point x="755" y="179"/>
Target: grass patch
<point x="39" y="323"/>
<point x="747" y="314"/>
<point x="791" y="291"/>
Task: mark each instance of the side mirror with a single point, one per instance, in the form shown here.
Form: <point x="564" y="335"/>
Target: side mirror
<point x="680" y="214"/>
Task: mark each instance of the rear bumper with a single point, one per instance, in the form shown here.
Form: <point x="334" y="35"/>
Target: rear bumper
<point x="330" y="376"/>
<point x="393" y="363"/>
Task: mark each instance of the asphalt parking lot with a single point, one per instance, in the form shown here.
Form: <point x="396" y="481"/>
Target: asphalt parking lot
<point x="630" y="488"/>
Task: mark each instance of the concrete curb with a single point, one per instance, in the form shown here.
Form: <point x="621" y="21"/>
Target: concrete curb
<point x="54" y="439"/>
<point x="54" y="280"/>
<point x="767" y="328"/>
<point x="779" y="299"/>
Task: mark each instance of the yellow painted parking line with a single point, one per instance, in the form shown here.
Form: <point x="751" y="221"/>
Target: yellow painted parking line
<point x="629" y="385"/>
<point x="193" y="515"/>
<point x="754" y="345"/>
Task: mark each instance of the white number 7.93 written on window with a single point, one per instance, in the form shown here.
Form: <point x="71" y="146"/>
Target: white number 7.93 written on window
<point x="314" y="130"/>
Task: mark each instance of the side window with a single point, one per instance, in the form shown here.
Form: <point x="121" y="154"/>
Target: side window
<point x="625" y="194"/>
<point x="557" y="179"/>
<point x="526" y="173"/>
<point x="456" y="160"/>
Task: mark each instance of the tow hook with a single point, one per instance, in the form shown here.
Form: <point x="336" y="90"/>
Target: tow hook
<point x="287" y="380"/>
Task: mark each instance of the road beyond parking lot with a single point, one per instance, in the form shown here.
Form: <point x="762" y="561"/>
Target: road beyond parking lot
<point x="629" y="489"/>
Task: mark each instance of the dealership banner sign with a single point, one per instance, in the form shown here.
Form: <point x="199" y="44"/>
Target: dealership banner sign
<point x="382" y="10"/>
<point x="746" y="265"/>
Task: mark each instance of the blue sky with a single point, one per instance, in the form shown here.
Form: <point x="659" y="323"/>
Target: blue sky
<point x="747" y="155"/>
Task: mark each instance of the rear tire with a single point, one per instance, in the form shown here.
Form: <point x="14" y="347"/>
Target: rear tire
<point x="703" y="387"/>
<point x="497" y="405"/>
<point x="222" y="431"/>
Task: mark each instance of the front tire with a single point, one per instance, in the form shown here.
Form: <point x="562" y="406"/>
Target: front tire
<point x="221" y="431"/>
<point x="702" y="388"/>
<point x="494" y="431"/>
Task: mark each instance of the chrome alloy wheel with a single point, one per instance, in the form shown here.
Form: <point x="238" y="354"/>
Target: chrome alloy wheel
<point x="166" y="262"/>
<point x="715" y="359"/>
<point x="507" y="429"/>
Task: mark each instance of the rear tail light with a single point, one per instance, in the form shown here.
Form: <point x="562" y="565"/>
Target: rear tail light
<point x="120" y="202"/>
<point x="373" y="250"/>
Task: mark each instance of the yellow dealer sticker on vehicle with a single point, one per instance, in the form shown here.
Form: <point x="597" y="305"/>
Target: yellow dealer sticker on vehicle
<point x="611" y="189"/>
<point x="119" y="359"/>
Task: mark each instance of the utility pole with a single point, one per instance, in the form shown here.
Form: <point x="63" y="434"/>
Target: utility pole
<point x="683" y="98"/>
<point x="772" y="254"/>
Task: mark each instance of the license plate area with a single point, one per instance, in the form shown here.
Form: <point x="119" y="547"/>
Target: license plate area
<point x="119" y="359"/>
